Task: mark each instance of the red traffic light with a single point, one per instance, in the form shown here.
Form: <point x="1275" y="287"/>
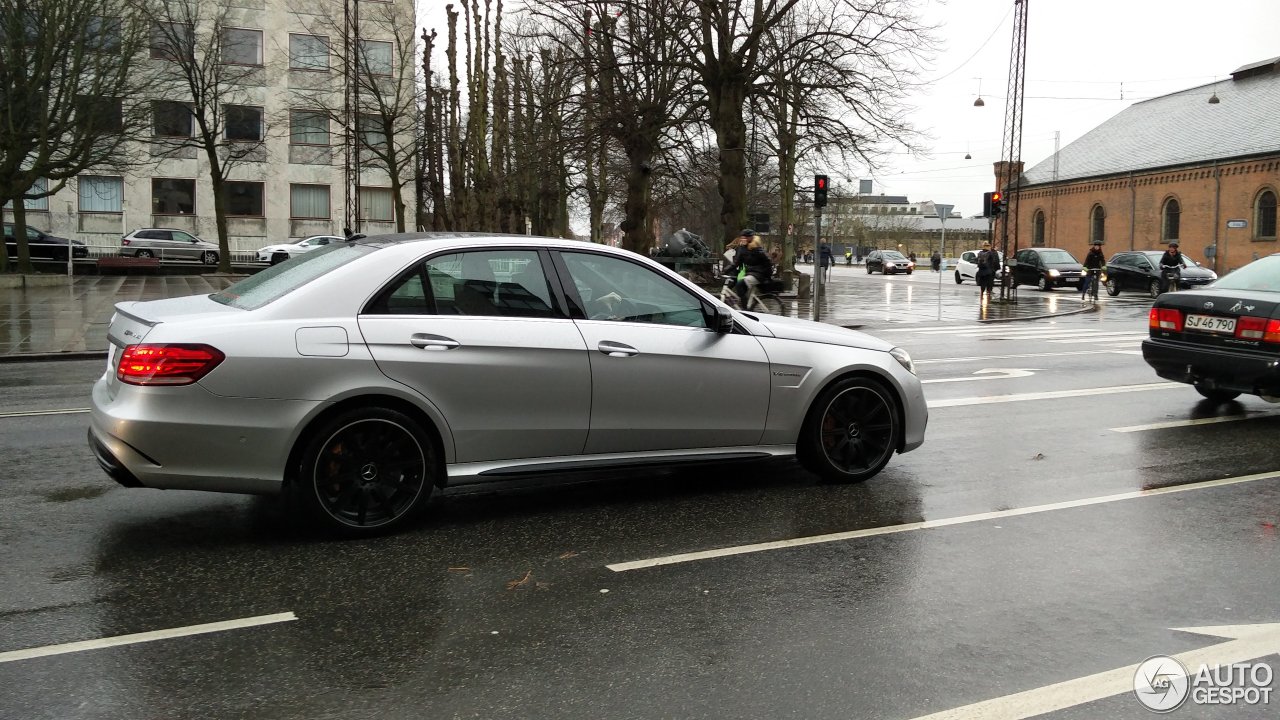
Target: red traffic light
<point x="822" y="183"/>
<point x="996" y="197"/>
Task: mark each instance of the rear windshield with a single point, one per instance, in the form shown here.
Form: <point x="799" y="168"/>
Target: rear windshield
<point x="279" y="280"/>
<point x="1261" y="274"/>
<point x="1056" y="256"/>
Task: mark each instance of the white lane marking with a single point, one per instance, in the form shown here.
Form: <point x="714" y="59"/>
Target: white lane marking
<point x="1192" y="422"/>
<point x="1245" y="642"/>
<point x="927" y="329"/>
<point x="929" y="524"/>
<point x="1052" y="394"/>
<point x="975" y="358"/>
<point x="36" y="413"/>
<point x="143" y="637"/>
<point x="987" y="374"/>
<point x="1077" y="341"/>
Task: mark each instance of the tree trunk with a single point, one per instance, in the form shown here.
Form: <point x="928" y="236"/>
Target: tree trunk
<point x="731" y="134"/>
<point x="397" y="185"/>
<point x="20" y="236"/>
<point x="637" y="236"/>
<point x="218" y="182"/>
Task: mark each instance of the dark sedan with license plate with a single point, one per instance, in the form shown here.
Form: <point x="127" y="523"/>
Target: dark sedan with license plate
<point x="1224" y="339"/>
<point x="1046" y="268"/>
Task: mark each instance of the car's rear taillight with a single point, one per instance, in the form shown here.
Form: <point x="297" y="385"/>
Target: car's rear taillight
<point x="1165" y="319"/>
<point x="1272" y="334"/>
<point x="1251" y="328"/>
<point x="158" y="364"/>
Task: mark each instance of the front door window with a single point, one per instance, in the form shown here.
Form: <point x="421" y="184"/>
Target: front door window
<point x="610" y="288"/>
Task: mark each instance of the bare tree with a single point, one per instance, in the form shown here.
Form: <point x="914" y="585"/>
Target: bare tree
<point x="69" y="70"/>
<point x="205" y="102"/>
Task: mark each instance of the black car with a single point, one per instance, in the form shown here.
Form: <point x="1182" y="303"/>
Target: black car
<point x="1225" y="338"/>
<point x="1046" y="268"/>
<point x="1140" y="270"/>
<point x="42" y="245"/>
<point x="889" y="262"/>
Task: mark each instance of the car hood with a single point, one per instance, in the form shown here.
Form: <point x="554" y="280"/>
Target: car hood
<point x="808" y="331"/>
<point x="1197" y="272"/>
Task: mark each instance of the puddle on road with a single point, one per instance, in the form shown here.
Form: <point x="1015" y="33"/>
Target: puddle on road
<point x="87" y="492"/>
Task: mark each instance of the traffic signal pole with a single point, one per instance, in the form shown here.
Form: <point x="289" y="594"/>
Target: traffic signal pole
<point x="817" y="261"/>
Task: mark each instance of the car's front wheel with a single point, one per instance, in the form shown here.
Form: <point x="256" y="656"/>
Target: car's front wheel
<point x="367" y="470"/>
<point x="1113" y="287"/>
<point x="1153" y="288"/>
<point x="209" y="257"/>
<point x="1043" y="284"/>
<point x="1216" y="395"/>
<point x="851" y="431"/>
<point x="868" y="269"/>
<point x="959" y="278"/>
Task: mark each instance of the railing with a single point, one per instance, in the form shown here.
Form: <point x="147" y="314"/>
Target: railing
<point x="57" y="252"/>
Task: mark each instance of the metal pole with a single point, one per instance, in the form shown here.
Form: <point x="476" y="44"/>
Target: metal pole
<point x="817" y="260"/>
<point x="941" y="252"/>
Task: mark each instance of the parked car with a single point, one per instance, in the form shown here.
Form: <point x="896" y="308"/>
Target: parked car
<point x="1046" y="268"/>
<point x="42" y="245"/>
<point x="888" y="262"/>
<point x="967" y="267"/>
<point x="1224" y="338"/>
<point x="168" y="244"/>
<point x="1140" y="270"/>
<point x="283" y="251"/>
<point x="360" y="377"/>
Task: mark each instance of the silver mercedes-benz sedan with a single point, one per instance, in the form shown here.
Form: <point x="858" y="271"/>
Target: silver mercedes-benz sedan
<point x="360" y="378"/>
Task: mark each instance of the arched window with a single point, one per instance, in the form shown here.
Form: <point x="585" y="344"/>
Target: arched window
<point x="1265" y="215"/>
<point x="1097" y="225"/>
<point x="1037" y="229"/>
<point x="1172" y="218"/>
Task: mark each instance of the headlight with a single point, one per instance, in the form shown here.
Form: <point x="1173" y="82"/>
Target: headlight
<point x="1054" y="273"/>
<point x="904" y="358"/>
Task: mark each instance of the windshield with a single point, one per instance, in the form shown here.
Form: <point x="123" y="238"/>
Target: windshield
<point x="279" y="280"/>
<point x="1261" y="274"/>
<point x="1053" y="257"/>
<point x="1187" y="262"/>
<point x="894" y="255"/>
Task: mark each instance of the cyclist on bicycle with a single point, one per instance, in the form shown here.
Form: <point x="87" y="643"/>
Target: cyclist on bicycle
<point x="1094" y="262"/>
<point x="758" y="266"/>
<point x="1170" y="266"/>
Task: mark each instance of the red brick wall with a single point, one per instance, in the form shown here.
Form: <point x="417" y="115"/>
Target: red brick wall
<point x="1134" y="211"/>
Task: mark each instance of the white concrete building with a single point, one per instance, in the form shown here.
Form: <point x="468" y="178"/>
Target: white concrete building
<point x="286" y="98"/>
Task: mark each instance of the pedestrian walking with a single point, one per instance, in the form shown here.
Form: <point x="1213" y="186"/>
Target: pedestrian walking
<point x="848" y="257"/>
<point x="826" y="260"/>
<point x="935" y="260"/>
<point x="988" y="265"/>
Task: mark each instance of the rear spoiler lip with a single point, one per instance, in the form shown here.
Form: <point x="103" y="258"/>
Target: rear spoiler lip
<point x="137" y="318"/>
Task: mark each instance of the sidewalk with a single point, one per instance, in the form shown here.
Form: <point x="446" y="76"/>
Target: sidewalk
<point x="73" y="318"/>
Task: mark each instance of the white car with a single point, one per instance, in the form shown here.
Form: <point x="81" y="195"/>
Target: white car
<point x="279" y="253"/>
<point x="967" y="267"/>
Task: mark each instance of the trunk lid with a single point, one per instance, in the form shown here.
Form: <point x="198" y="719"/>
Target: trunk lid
<point x="1231" y="304"/>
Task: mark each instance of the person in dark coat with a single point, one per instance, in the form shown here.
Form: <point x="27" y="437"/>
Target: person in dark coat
<point x="1095" y="261"/>
<point x="759" y="269"/>
<point x="988" y="266"/>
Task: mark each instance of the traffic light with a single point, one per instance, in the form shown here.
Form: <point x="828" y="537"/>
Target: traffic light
<point x="760" y="223"/>
<point x="992" y="204"/>
<point x="820" y="190"/>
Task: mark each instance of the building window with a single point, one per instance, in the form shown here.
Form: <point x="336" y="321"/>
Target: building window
<point x="1172" y="220"/>
<point x="376" y="204"/>
<point x="1265" y="216"/>
<point x="241" y="47"/>
<point x="1037" y="229"/>
<point x="376" y="56"/>
<point x="173" y="196"/>
<point x="100" y="194"/>
<point x="172" y="41"/>
<point x="171" y="119"/>
<point x="1097" y="225"/>
<point x="309" y="202"/>
<point x="102" y="113"/>
<point x="308" y="52"/>
<point x="103" y="34"/>
<point x="41" y="203"/>
<point x="371" y="133"/>
<point x="308" y="127"/>
<point x="243" y="122"/>
<point x="244" y="199"/>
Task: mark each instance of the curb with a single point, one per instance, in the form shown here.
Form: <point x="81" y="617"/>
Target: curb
<point x="1077" y="311"/>
<point x="46" y="356"/>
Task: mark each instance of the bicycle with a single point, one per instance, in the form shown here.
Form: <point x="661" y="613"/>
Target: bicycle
<point x="761" y="298"/>
<point x="1092" y="279"/>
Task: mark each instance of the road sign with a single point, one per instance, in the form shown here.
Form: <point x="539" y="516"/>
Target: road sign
<point x="1237" y="223"/>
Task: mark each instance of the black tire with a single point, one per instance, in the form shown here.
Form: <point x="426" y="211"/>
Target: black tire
<point x="209" y="257"/>
<point x="1217" y="395"/>
<point x="959" y="278"/>
<point x="868" y="269"/>
<point x="366" y="471"/>
<point x="1113" y="287"/>
<point x="1153" y="289"/>
<point x="279" y="257"/>
<point x="1042" y="284"/>
<point x="144" y="254"/>
<point x="851" y="432"/>
<point x="908" y="272"/>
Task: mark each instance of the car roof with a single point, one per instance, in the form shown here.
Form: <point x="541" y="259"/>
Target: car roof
<point x="449" y="238"/>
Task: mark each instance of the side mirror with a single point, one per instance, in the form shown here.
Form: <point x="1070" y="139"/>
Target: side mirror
<point x="723" y="320"/>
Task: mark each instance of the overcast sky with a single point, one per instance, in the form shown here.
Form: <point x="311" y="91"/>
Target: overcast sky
<point x="1081" y="56"/>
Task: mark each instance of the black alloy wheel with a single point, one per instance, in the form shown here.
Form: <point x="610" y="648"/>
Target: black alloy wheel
<point x="367" y="470"/>
<point x="852" y="431"/>
<point x="1216" y="395"/>
<point x="1113" y="287"/>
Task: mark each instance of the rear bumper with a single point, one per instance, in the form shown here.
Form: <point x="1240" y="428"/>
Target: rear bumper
<point x="1215" y="368"/>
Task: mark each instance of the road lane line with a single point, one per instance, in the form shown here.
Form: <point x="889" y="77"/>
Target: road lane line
<point x="930" y="524"/>
<point x="1077" y="341"/>
<point x="1052" y="394"/>
<point x="975" y="358"/>
<point x="36" y="413"/>
<point x="1192" y="422"/>
<point x="143" y="637"/>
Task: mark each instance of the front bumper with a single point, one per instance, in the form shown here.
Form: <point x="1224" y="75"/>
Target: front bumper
<point x="1215" y="368"/>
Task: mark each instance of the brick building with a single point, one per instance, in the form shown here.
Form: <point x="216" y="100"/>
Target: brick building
<point x="1201" y="166"/>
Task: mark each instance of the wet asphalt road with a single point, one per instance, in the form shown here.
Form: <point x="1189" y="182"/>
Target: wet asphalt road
<point x="500" y="605"/>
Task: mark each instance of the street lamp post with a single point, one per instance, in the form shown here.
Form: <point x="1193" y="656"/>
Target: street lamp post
<point x="943" y="212"/>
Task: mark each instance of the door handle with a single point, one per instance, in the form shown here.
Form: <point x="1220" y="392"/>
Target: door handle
<point x="427" y="341"/>
<point x="616" y="349"/>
